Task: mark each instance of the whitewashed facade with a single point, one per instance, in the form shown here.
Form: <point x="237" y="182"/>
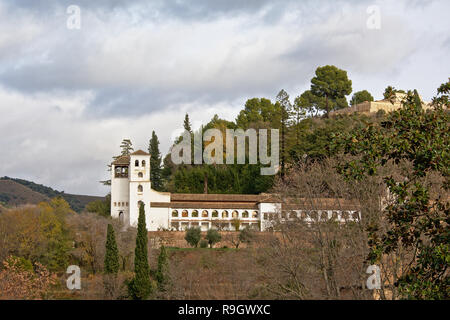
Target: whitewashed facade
<point x="131" y="185"/>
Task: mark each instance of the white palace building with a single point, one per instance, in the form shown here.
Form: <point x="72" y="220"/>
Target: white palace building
<point x="131" y="186"/>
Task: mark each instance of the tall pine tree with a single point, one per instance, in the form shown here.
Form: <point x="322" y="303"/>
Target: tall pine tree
<point x="187" y="124"/>
<point x="112" y="253"/>
<point x="286" y="112"/>
<point x="140" y="286"/>
<point x="155" y="163"/>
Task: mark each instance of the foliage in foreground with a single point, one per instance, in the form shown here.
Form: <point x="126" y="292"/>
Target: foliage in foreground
<point x="418" y="215"/>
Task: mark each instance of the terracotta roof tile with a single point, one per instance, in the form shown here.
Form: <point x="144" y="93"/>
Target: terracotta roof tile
<point x="140" y="153"/>
<point x="122" y="160"/>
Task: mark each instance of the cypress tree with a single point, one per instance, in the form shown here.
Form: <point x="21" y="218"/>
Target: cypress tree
<point x="187" y="124"/>
<point x="140" y="286"/>
<point x="112" y="253"/>
<point x="163" y="268"/>
<point x="155" y="162"/>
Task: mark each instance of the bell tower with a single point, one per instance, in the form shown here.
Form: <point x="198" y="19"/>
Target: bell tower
<point x="140" y="185"/>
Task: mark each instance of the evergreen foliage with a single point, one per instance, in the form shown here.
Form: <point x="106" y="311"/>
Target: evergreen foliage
<point x="140" y="287"/>
<point x="111" y="265"/>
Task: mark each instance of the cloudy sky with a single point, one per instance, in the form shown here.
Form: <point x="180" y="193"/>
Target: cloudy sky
<point x="69" y="96"/>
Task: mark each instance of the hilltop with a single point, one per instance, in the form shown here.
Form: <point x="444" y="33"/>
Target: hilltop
<point x="15" y="192"/>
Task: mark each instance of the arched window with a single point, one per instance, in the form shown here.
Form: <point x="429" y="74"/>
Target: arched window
<point x="215" y="214"/>
<point x="224" y="214"/>
<point x="235" y="214"/>
<point x="140" y="175"/>
<point x="136" y="163"/>
<point x="324" y="216"/>
<point x="335" y="216"/>
<point x="140" y="188"/>
<point x="185" y="214"/>
<point x="121" y="217"/>
<point x="313" y="215"/>
<point x="143" y="163"/>
<point x="194" y="214"/>
<point x="303" y="215"/>
<point x="244" y="214"/>
<point x="175" y="213"/>
<point x="205" y="214"/>
<point x="255" y="214"/>
<point x="344" y="215"/>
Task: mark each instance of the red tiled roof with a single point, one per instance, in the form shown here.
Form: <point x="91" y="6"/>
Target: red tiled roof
<point x="140" y="153"/>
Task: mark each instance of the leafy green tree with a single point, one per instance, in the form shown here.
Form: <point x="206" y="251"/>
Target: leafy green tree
<point x="258" y="111"/>
<point x="332" y="84"/>
<point x="360" y="97"/>
<point x="193" y="236"/>
<point x="155" y="163"/>
<point x="140" y="287"/>
<point x="213" y="236"/>
<point x="246" y="235"/>
<point x="101" y="207"/>
<point x="310" y="103"/>
<point x="111" y="265"/>
<point x="418" y="217"/>
<point x="162" y="273"/>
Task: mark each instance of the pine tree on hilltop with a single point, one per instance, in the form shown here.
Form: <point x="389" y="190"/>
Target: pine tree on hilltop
<point x="140" y="286"/>
<point x="155" y="163"/>
<point x="112" y="253"/>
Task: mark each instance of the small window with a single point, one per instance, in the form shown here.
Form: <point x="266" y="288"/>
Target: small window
<point x="115" y="204"/>
<point x="194" y="214"/>
<point x="118" y="204"/>
<point x="175" y="213"/>
<point x="140" y="188"/>
<point x="255" y="214"/>
<point x="224" y="214"/>
<point x="136" y="163"/>
<point x="127" y="204"/>
<point x="205" y="214"/>
<point x="185" y="214"/>
<point x="244" y="214"/>
<point x="235" y="214"/>
<point x="143" y="163"/>
<point x="140" y="175"/>
<point x="215" y="214"/>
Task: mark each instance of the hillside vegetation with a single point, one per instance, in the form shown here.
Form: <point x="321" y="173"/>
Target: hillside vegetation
<point x="15" y="192"/>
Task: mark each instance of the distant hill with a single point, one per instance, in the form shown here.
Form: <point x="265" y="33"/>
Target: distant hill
<point x="18" y="191"/>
